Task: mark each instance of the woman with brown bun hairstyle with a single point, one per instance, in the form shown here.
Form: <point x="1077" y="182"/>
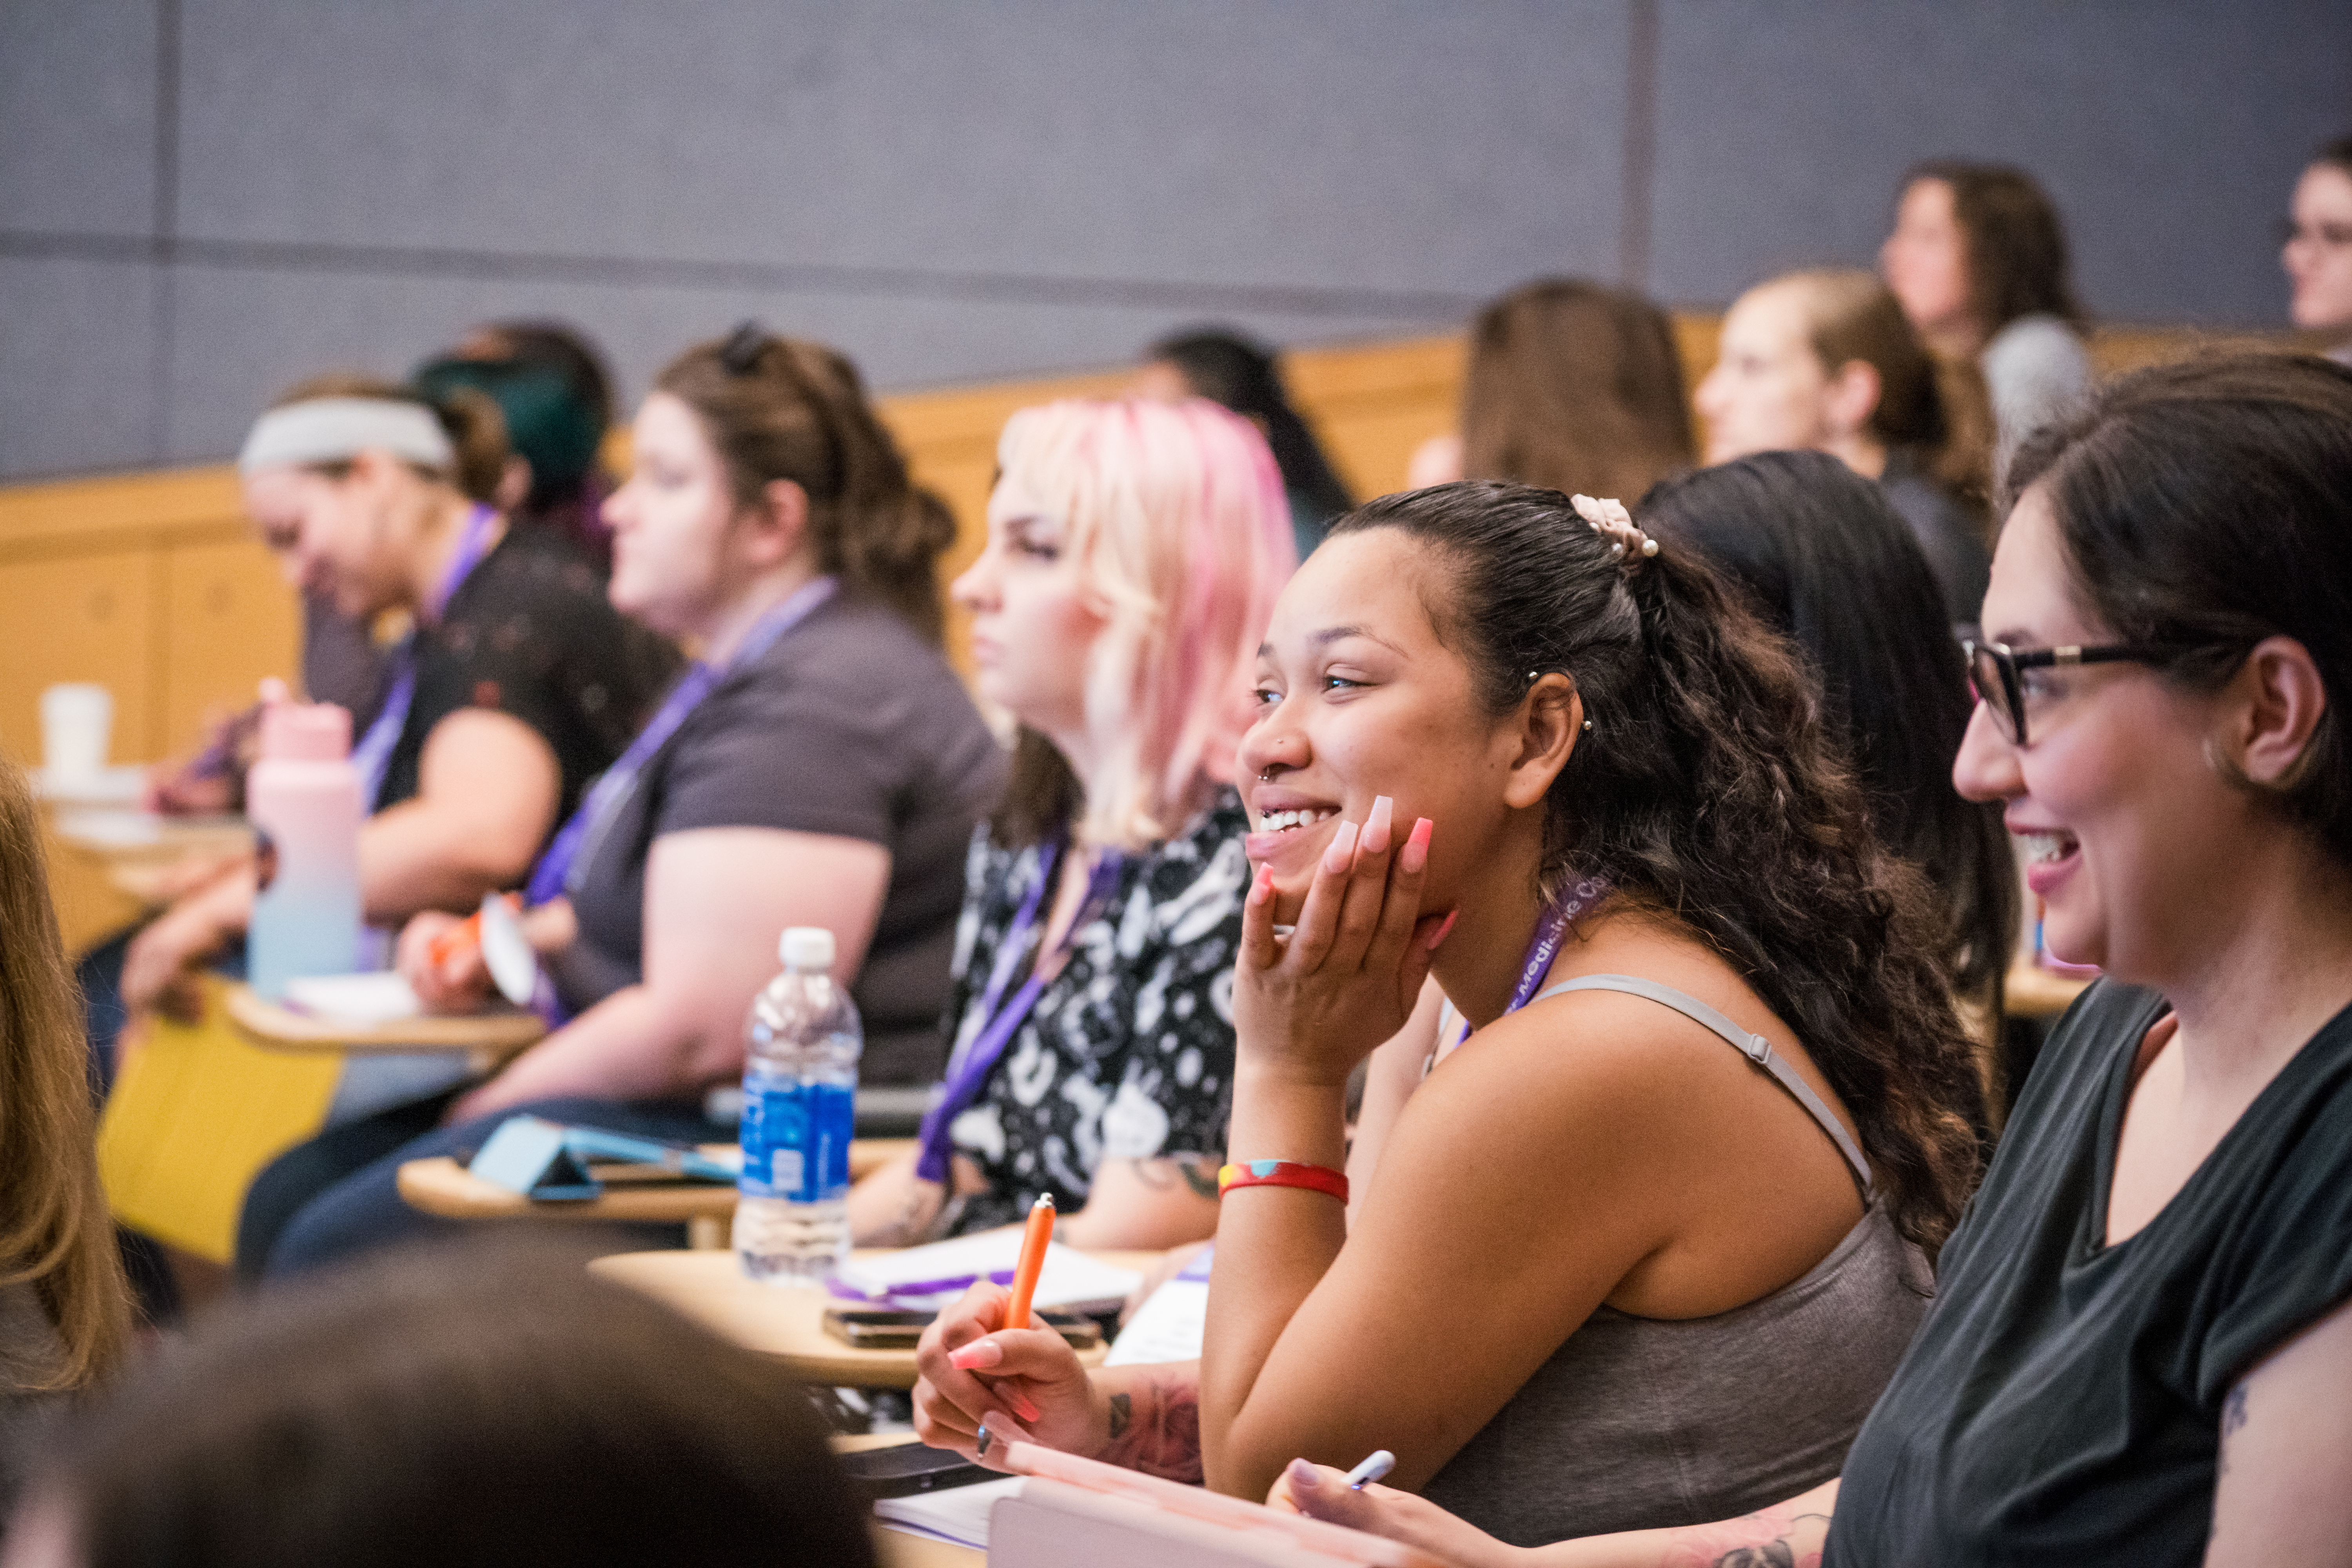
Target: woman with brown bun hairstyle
<point x="821" y="765"/>
<point x="1573" y="386"/>
<point x="1825" y="361"/>
<point x="65" y="1311"/>
<point x="1978" y="259"/>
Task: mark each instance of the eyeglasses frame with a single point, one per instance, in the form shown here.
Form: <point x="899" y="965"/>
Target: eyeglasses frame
<point x="2009" y="663"/>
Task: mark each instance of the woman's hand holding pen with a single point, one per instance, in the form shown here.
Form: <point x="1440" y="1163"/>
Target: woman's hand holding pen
<point x="1320" y="1492"/>
<point x="1313" y="1004"/>
<point x="1027" y="1383"/>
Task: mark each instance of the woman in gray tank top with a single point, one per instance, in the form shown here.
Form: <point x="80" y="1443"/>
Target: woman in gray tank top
<point x="1646" y="1248"/>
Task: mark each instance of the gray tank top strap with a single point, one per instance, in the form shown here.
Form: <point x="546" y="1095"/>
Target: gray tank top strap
<point x="1755" y="1048"/>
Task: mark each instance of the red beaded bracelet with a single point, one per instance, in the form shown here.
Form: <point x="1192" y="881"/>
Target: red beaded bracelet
<point x="1282" y="1173"/>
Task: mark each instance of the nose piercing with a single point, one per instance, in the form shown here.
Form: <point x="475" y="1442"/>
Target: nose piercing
<point x="1266" y="775"/>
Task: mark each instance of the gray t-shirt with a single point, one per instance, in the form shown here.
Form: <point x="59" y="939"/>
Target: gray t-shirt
<point x="2036" y="371"/>
<point x="849" y="725"/>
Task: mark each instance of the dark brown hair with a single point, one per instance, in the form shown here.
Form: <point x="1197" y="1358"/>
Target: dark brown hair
<point x="483" y="1405"/>
<point x="1711" y="791"/>
<point x="2016" y="246"/>
<point x="1938" y="411"/>
<point x="2335" y="154"/>
<point x="779" y="408"/>
<point x="54" y="1233"/>
<point x="1575" y="387"/>
<point x="471" y="419"/>
<point x="1832" y="566"/>
<point x="2202" y="504"/>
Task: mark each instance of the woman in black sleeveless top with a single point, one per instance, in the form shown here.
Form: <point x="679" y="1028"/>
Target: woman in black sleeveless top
<point x="2141" y="1349"/>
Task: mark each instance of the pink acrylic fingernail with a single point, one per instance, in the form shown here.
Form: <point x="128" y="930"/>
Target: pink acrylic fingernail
<point x="1022" y="1405"/>
<point x="1416" y="853"/>
<point x="978" y="1354"/>
<point x="1376" y="825"/>
<point x="1443" y="926"/>
<point x="1261" y="887"/>
<point x="1342" y="852"/>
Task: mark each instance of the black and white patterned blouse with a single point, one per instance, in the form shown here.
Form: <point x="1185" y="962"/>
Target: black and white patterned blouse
<point x="1128" y="1053"/>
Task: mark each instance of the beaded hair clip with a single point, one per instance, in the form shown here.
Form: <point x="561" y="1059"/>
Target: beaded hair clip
<point x="1612" y="523"/>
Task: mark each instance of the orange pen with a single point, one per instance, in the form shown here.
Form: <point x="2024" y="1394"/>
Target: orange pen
<point x="465" y="937"/>
<point x="1033" y="1261"/>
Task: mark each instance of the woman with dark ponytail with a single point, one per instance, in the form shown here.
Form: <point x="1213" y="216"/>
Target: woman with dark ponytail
<point x="1701" y="1109"/>
<point x="820" y="766"/>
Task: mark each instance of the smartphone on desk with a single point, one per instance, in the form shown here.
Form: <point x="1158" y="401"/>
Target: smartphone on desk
<point x="899" y="1329"/>
<point x="903" y="1470"/>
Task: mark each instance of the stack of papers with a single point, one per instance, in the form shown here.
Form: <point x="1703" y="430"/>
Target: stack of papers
<point x="934" y="1277"/>
<point x="959" y="1514"/>
<point x="362" y="1001"/>
<point x="1169" y="1324"/>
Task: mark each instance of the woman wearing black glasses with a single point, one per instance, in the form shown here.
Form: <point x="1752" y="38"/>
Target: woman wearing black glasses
<point x="2141" y="1346"/>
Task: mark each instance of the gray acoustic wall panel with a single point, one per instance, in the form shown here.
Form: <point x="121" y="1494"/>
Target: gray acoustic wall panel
<point x="2169" y="132"/>
<point x="78" y="148"/>
<point x="201" y="200"/>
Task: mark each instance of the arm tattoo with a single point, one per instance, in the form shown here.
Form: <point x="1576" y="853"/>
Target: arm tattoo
<point x="1200" y="1175"/>
<point x="1156" y="1428"/>
<point x="1773" y="1538"/>
<point x="2234" y="1418"/>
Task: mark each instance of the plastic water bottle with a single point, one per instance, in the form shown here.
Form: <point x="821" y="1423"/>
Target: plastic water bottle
<point x="800" y="1090"/>
<point x="303" y="799"/>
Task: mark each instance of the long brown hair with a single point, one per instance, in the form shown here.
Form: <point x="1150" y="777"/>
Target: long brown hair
<point x="1711" y="790"/>
<point x="1575" y="387"/>
<point x="2016" y="246"/>
<point x="55" y="1233"/>
<point x="779" y="408"/>
<point x="1935" y="410"/>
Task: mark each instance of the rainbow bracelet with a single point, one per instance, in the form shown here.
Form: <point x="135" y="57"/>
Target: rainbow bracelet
<point x="1282" y="1173"/>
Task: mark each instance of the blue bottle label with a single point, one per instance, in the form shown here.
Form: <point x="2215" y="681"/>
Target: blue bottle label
<point x="796" y="1139"/>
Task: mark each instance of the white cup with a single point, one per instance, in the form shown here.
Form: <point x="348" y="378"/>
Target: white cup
<point x="76" y="721"/>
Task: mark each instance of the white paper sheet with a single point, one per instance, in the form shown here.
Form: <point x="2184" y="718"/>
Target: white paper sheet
<point x="363" y="1000"/>
<point x="959" y="1514"/>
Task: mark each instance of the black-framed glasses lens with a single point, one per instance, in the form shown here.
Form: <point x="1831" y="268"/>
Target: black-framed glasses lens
<point x="1996" y="686"/>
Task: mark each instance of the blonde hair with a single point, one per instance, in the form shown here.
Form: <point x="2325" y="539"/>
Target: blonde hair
<point x="54" y="1233"/>
<point x="1175" y="513"/>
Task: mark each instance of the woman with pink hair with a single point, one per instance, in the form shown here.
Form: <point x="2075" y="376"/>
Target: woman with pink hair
<point x="1134" y="552"/>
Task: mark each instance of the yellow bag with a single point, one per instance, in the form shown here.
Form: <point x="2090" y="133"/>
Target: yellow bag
<point x="197" y="1111"/>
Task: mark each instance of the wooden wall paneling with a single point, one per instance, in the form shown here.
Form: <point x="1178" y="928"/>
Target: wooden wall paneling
<point x="1371" y="405"/>
<point x="229" y="619"/>
<point x="79" y="617"/>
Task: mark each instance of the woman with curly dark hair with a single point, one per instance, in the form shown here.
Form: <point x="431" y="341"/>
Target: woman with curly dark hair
<point x="1677" y="1192"/>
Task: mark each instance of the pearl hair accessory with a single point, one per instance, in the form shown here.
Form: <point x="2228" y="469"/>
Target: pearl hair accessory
<point x="1609" y="520"/>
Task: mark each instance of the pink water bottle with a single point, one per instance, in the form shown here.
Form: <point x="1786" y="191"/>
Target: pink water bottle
<point x="303" y="798"/>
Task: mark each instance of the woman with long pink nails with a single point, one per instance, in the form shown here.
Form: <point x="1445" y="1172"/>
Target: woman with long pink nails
<point x="1645" y="1248"/>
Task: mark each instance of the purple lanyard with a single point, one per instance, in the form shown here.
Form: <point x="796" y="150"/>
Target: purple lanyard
<point x="971" y="1070"/>
<point x="372" y="755"/>
<point x="1552" y="928"/>
<point x="554" y="874"/>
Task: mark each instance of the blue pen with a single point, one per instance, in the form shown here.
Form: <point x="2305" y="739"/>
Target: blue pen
<point x="1378" y="1463"/>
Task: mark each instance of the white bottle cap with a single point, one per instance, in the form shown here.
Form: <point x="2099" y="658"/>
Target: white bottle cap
<point x="808" y="949"/>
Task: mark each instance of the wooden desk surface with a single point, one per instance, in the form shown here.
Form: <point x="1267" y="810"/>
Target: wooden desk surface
<point x="782" y="1320"/>
<point x="2033" y="991"/>
<point x="494" y="1034"/>
<point x="442" y="1187"/>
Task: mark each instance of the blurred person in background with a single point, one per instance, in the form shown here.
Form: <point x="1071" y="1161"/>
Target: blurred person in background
<point x="556" y="400"/>
<point x="1825" y="361"/>
<point x="477" y="1407"/>
<point x="1977" y="257"/>
<point x="823" y="766"/>
<point x="1827" y="561"/>
<point x="1236" y="373"/>
<point x="65" y="1310"/>
<point x="1134" y="552"/>
<point x="2318" y="249"/>
<point x="1571" y="386"/>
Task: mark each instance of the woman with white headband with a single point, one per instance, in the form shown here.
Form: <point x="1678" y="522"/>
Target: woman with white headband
<point x="509" y="694"/>
<point x="821" y="765"/>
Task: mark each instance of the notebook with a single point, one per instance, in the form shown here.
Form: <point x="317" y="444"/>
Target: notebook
<point x="933" y="1277"/>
